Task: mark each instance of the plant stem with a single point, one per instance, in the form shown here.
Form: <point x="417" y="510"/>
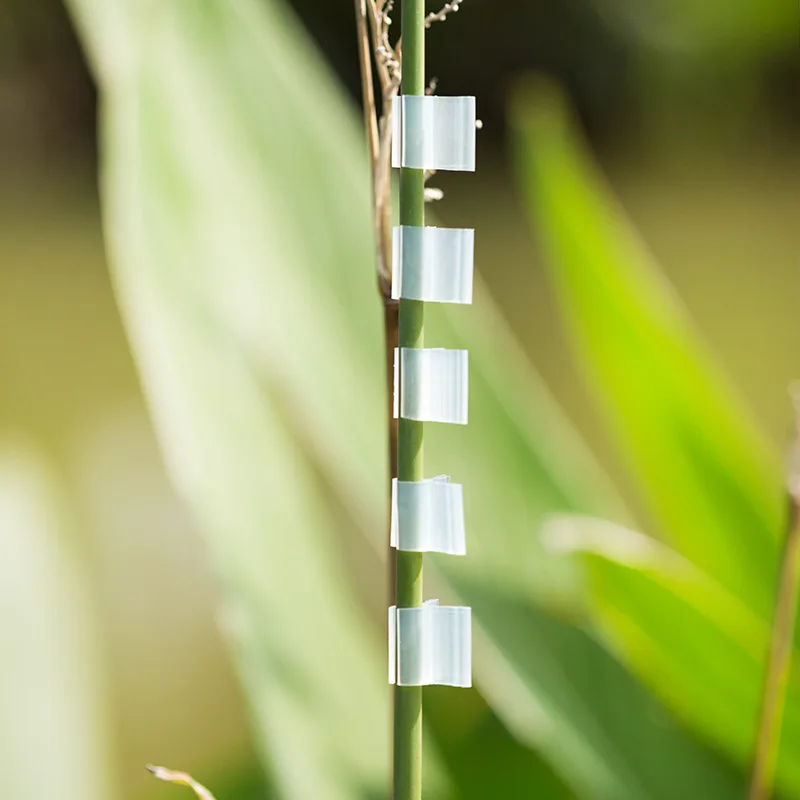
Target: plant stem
<point x="408" y="699"/>
<point x="367" y="87"/>
<point x="773" y="697"/>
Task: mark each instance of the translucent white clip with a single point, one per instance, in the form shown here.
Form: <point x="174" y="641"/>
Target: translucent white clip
<point x="431" y="385"/>
<point x="432" y="132"/>
<point x="430" y="645"/>
<point x="433" y="264"/>
<point x="428" y="516"/>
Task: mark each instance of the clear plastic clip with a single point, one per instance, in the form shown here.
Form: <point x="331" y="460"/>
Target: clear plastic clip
<point x="433" y="132"/>
<point x="433" y="264"/>
<point x="428" y="516"/>
<point x="431" y="644"/>
<point x="431" y="385"/>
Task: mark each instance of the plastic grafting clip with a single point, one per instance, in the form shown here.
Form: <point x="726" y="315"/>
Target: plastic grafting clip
<point x="428" y="516"/>
<point x="430" y="644"/>
<point x="431" y="385"/>
<point x="433" y="264"/>
<point x="433" y="132"/>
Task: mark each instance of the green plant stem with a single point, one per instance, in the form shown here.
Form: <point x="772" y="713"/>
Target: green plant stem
<point x="408" y="699"/>
<point x="773" y="697"/>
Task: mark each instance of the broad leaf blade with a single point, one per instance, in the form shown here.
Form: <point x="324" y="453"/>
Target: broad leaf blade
<point x="483" y="757"/>
<point x="202" y="289"/>
<point x="711" y="479"/>
<point x="553" y="686"/>
<point x="519" y="459"/>
<point x="696" y="644"/>
<point x="559" y="691"/>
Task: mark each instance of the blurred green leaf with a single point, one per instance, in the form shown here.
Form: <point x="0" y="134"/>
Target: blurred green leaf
<point x="54" y="740"/>
<point x="203" y="182"/>
<point x="559" y="691"/>
<point x="237" y="212"/>
<point x="553" y="686"/>
<point x="735" y="31"/>
<point x="712" y="482"/>
<point x="483" y="758"/>
<point x="696" y="644"/>
<point x="519" y="459"/>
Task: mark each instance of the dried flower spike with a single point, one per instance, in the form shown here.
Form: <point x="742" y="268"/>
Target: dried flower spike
<point x="441" y="15"/>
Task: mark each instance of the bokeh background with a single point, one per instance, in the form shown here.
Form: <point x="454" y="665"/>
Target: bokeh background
<point x="693" y="110"/>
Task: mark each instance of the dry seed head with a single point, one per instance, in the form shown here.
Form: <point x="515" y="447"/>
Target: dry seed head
<point x="441" y="15"/>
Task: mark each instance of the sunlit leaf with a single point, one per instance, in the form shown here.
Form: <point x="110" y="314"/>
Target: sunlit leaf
<point x="712" y="482"/>
<point x="559" y="691"/>
<point x="696" y="644"/>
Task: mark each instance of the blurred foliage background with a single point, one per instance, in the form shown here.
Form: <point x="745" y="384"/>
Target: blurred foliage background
<point x="107" y="603"/>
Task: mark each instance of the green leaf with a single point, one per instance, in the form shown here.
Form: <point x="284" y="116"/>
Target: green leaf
<point x="737" y="34"/>
<point x="210" y="272"/>
<point x="484" y="759"/>
<point x="553" y="686"/>
<point x="711" y="480"/>
<point x="559" y="691"/>
<point x="519" y="459"/>
<point x="237" y="214"/>
<point x="53" y="731"/>
<point x="695" y="643"/>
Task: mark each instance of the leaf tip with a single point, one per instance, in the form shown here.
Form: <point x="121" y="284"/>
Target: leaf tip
<point x="180" y="778"/>
<point x="567" y="533"/>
